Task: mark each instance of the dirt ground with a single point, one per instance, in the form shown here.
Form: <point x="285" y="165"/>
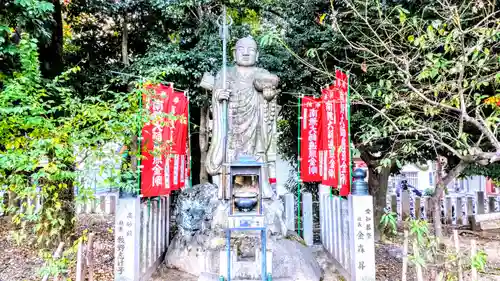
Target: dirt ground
<point x="389" y="256"/>
<point x="21" y="263"/>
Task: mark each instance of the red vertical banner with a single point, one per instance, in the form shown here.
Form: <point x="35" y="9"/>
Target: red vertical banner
<point x="345" y="148"/>
<point x="153" y="160"/>
<point x="328" y="131"/>
<point x="309" y="144"/>
<point x="176" y="137"/>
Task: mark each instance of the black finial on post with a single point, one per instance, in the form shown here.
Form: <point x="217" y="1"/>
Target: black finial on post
<point x="359" y="185"/>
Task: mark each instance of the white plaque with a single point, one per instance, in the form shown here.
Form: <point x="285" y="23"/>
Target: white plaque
<point x="127" y="230"/>
<point x="362" y="238"/>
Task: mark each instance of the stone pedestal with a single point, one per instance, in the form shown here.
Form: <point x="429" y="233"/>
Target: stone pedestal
<point x="245" y="269"/>
<point x="362" y="239"/>
<point x="201" y="239"/>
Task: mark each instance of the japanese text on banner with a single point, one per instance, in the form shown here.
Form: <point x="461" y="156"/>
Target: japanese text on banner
<point x="309" y="130"/>
<point x="329" y="130"/>
<point x="152" y="143"/>
<point x="177" y="135"/>
<point x="345" y="148"/>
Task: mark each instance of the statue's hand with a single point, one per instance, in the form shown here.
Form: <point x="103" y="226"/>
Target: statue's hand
<point x="269" y="93"/>
<point x="222" y="95"/>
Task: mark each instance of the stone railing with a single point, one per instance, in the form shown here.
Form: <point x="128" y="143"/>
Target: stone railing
<point x="346" y="227"/>
<point x="455" y="209"/>
<point x="335" y="229"/>
<point x="21" y="205"/>
<point x="101" y="204"/>
<point x="141" y="236"/>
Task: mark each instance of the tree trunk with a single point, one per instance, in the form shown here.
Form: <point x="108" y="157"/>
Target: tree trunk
<point x="125" y="59"/>
<point x="377" y="184"/>
<point x="441" y="184"/>
<point x="203" y="140"/>
<point x="51" y="53"/>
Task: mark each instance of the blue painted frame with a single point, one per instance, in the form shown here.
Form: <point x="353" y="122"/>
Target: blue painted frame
<point x="247" y="165"/>
<point x="263" y="240"/>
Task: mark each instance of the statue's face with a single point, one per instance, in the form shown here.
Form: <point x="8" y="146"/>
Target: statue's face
<point x="246" y="52"/>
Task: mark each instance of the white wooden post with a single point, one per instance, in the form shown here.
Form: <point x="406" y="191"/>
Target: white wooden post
<point x="448" y="204"/>
<point x="492" y="204"/>
<point x="337" y="230"/>
<point x="308" y="218"/>
<point x="405" y="204"/>
<point x="150" y="234"/>
<point x="127" y="232"/>
<point x="394" y="203"/>
<point x="416" y="207"/>
<point x="321" y="215"/>
<point x="144" y="237"/>
<point x="161" y="225"/>
<point x="331" y="225"/>
<point x="167" y="230"/>
<point x="480" y="203"/>
<point x="289" y="211"/>
<point x="154" y="221"/>
<point x="470" y="210"/>
<point x="325" y="222"/>
<point x="112" y="204"/>
<point x="346" y="232"/>
<point x="459" y="211"/>
<point x="338" y="237"/>
<point x="362" y="246"/>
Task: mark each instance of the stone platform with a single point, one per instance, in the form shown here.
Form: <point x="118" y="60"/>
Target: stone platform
<point x="202" y="219"/>
<point x="215" y="277"/>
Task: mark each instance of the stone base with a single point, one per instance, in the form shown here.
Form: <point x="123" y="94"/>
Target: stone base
<point x="214" y="277"/>
<point x="291" y="259"/>
<point x="489" y="221"/>
<point x="197" y="246"/>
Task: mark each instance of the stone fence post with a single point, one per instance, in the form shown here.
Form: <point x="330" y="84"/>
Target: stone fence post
<point x="127" y="238"/>
<point x="289" y="211"/>
<point x="362" y="239"/>
<point x="308" y="218"/>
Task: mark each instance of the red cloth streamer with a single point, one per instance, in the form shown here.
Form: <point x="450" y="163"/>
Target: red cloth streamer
<point x="177" y="134"/>
<point x="345" y="148"/>
<point x="329" y="130"/>
<point x="153" y="159"/>
<point x="164" y="142"/>
<point x="272" y="180"/>
<point x="309" y="131"/>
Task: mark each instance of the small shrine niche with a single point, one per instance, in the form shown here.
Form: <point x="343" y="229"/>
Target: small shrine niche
<point x="245" y="187"/>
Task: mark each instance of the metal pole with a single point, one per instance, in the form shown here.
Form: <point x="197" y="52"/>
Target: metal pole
<point x="224" y="35"/>
<point x="299" y="140"/>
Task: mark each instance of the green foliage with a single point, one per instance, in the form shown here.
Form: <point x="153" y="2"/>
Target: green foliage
<point x="420" y="229"/>
<point x="388" y="223"/>
<point x="491" y="171"/>
<point x="434" y="256"/>
<point x="27" y="16"/>
<point x="429" y="192"/>
<point x="478" y="261"/>
<point x="42" y="124"/>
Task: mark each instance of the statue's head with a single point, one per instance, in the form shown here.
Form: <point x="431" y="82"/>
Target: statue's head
<point x="246" y="53"/>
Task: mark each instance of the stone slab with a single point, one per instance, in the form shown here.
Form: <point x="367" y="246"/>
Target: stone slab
<point x="214" y="277"/>
<point x="485" y="221"/>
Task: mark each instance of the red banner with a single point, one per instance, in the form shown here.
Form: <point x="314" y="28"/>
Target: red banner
<point x="177" y="139"/>
<point x="345" y="148"/>
<point x="329" y="130"/>
<point x="153" y="160"/>
<point x="309" y="149"/>
<point x="164" y="142"/>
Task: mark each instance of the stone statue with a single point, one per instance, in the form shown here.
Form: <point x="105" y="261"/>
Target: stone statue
<point x="251" y="96"/>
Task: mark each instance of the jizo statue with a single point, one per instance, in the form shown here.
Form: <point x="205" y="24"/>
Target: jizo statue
<point x="250" y="93"/>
